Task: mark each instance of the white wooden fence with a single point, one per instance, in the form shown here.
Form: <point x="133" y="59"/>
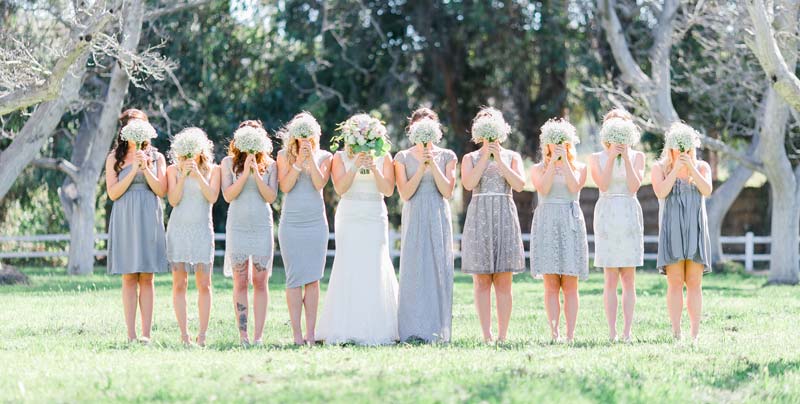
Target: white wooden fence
<point x="748" y="258"/>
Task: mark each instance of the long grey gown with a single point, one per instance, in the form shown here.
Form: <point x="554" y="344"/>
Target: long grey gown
<point x="683" y="227"/>
<point x="248" y="230"/>
<point x="136" y="239"/>
<point x="190" y="233"/>
<point x="425" y="303"/>
<point x="303" y="230"/>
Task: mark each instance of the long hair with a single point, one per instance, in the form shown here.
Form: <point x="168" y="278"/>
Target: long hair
<point x="239" y="156"/>
<point x="291" y="144"/>
<point x="666" y="162"/>
<point x="205" y="160"/>
<point x="570" y="148"/>
<point x="121" y="146"/>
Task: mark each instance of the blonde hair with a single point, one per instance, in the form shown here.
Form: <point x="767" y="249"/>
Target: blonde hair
<point x="618" y="113"/>
<point x="570" y="148"/>
<point x="205" y="160"/>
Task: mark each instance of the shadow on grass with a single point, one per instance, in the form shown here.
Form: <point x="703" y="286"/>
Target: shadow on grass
<point x="746" y="370"/>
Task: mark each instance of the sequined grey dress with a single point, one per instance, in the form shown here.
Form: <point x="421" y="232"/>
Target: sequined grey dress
<point x="248" y="229"/>
<point x="190" y="233"/>
<point x="683" y="227"/>
<point x="491" y="241"/>
<point x="425" y="306"/>
<point x="558" y="234"/>
<point x="303" y="230"/>
<point x="136" y="239"/>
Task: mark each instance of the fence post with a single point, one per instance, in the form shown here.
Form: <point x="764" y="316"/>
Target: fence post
<point x="748" y="251"/>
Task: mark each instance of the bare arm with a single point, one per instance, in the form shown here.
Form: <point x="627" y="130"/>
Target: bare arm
<point x="663" y="182"/>
<point x="542" y="177"/>
<point x="445" y="181"/>
<point x="320" y="174"/>
<point x="268" y="183"/>
<point x="634" y="171"/>
<point x="157" y="181"/>
<point x="384" y="179"/>
<point x="231" y="188"/>
<point x="575" y="178"/>
<point x="287" y="174"/>
<point x="407" y="187"/>
<point x="601" y="175"/>
<point x="175" y="182"/>
<point x="342" y="179"/>
<point x="471" y="173"/>
<point x="702" y="178"/>
<point x="513" y="173"/>
<point x="116" y="187"/>
<point x="208" y="186"/>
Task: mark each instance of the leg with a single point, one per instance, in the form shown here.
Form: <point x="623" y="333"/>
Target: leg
<point x="675" y="279"/>
<point x="569" y="285"/>
<point x="628" y="275"/>
<point x="610" y="300"/>
<point x="294" y="300"/>
<point x="180" y="281"/>
<point x="311" y="303"/>
<point x="202" y="279"/>
<point x="694" y="295"/>
<point x="503" y="297"/>
<point x="552" y="285"/>
<point x="130" y="295"/>
<point x="482" y="288"/>
<point x="146" y="298"/>
<point x="240" y="283"/>
<point x="260" y="300"/>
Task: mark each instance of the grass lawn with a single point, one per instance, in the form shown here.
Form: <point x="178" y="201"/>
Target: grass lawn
<point x="62" y="339"/>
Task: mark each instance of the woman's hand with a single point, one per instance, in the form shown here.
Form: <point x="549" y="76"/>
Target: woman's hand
<point x="618" y="150"/>
<point x="684" y="160"/>
<point x="194" y="170"/>
<point x="494" y="149"/>
<point x="560" y="152"/>
<point x="142" y="160"/>
<point x="427" y="156"/>
<point x="484" y="151"/>
<point x="369" y="163"/>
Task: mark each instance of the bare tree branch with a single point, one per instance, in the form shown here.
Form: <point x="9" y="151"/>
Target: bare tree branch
<point x="175" y="8"/>
<point x="57" y="164"/>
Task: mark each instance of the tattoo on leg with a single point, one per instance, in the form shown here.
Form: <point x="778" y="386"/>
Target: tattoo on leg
<point x="242" y="309"/>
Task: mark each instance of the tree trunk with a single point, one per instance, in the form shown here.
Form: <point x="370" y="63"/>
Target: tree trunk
<point x="81" y="228"/>
<point x="718" y="207"/>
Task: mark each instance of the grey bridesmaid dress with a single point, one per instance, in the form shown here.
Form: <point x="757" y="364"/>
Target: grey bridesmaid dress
<point x="683" y="227"/>
<point x="190" y="232"/>
<point x="558" y="234"/>
<point x="248" y="229"/>
<point x="425" y="303"/>
<point x="492" y="240"/>
<point x="136" y="239"/>
<point x="303" y="230"/>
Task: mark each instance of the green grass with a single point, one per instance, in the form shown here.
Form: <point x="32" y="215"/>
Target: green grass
<point x="62" y="340"/>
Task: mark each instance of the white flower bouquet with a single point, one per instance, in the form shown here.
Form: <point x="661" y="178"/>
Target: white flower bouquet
<point x="558" y="131"/>
<point x="252" y="140"/>
<point x="491" y="128"/>
<point x="138" y="131"/>
<point x="303" y="127"/>
<point x="425" y="131"/>
<point x="619" y="131"/>
<point x="362" y="134"/>
<point x="190" y="142"/>
<point x="682" y="137"/>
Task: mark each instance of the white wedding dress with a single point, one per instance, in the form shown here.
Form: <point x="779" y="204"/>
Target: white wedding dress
<point x="361" y="303"/>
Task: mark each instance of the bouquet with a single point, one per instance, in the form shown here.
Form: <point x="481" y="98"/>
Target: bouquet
<point x="558" y="131"/>
<point x="490" y="128"/>
<point x="252" y="140"/>
<point x="303" y="127"/>
<point x="362" y="134"/>
<point x="138" y="131"/>
<point x="425" y="131"/>
<point x="189" y="143"/>
<point x="619" y="131"/>
<point x="682" y="137"/>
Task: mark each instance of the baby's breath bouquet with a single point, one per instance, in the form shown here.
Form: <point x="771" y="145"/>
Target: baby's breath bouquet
<point x="252" y="140"/>
<point x="619" y="131"/>
<point x="491" y="128"/>
<point x="189" y="143"/>
<point x="558" y="131"/>
<point x="362" y="134"/>
<point x="425" y="131"/>
<point x="138" y="131"/>
<point x="303" y="127"/>
<point x="682" y="137"/>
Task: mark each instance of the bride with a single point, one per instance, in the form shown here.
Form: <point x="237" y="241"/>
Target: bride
<point x="361" y="302"/>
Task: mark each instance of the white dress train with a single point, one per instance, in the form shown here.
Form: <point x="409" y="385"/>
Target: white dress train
<point x="361" y="302"/>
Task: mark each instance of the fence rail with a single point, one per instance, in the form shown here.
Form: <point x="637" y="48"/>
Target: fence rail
<point x="749" y="241"/>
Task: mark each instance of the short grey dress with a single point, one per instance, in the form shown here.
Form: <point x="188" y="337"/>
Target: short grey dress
<point x="558" y="234"/>
<point x="190" y="232"/>
<point x="425" y="303"/>
<point x="683" y="227"/>
<point x="618" y="223"/>
<point x="491" y="241"/>
<point x="248" y="230"/>
<point x="303" y="230"/>
<point x="136" y="239"/>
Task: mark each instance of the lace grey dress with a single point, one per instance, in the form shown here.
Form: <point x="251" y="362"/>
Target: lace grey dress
<point x="303" y="230"/>
<point x="491" y="241"/>
<point x="190" y="233"/>
<point x="248" y="230"/>
<point x="558" y="234"/>
<point x="618" y="223"/>
<point x="425" y="306"/>
<point x="136" y="240"/>
<point x="683" y="227"/>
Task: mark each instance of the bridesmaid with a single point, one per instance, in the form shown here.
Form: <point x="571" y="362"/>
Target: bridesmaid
<point x="136" y="182"/>
<point x="193" y="188"/>
<point x="426" y="178"/>
<point x="559" y="249"/>
<point x="491" y="243"/>
<point x="249" y="185"/>
<point x="618" y="223"/>
<point x="682" y="183"/>
<point x="303" y="171"/>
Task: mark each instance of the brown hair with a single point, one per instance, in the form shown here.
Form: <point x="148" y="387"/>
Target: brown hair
<point x="121" y="146"/>
<point x="419" y="114"/>
<point x="239" y="156"/>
